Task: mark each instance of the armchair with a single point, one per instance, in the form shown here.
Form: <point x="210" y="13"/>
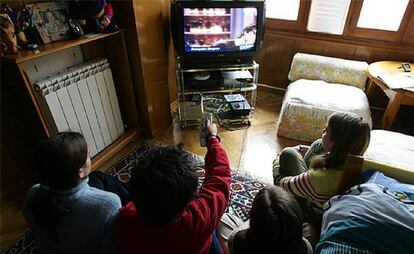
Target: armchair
<point x="321" y="86"/>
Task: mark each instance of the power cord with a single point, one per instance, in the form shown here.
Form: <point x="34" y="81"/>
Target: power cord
<point x="220" y="108"/>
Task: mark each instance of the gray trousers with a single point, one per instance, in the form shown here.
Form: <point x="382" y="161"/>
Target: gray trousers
<point x="292" y="163"/>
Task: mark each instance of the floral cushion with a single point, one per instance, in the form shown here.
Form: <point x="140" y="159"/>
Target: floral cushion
<point x="329" y="69"/>
<point x="308" y="103"/>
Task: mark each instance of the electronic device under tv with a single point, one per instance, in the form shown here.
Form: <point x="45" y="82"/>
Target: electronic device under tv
<point x="212" y="33"/>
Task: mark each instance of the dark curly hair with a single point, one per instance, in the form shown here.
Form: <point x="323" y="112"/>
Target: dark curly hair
<point x="163" y="183"/>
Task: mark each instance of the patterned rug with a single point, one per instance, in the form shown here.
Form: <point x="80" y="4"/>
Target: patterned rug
<point x="243" y="190"/>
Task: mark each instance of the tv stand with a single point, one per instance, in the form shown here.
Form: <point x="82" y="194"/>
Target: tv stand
<point x="197" y="94"/>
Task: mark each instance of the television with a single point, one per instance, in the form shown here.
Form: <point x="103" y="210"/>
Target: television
<point x="207" y="33"/>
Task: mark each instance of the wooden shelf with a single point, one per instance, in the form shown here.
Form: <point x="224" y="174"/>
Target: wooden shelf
<point x="46" y="49"/>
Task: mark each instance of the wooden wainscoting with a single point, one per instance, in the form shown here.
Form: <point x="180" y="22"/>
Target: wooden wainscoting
<point x="279" y="47"/>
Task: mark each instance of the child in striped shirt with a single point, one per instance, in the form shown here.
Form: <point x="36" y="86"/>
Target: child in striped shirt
<point x="315" y="175"/>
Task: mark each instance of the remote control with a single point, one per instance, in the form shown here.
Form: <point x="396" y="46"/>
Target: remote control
<point x="205" y="118"/>
<point x="406" y="67"/>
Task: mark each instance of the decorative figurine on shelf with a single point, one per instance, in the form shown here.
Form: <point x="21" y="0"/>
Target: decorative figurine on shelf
<point x="27" y="25"/>
<point x="93" y="15"/>
<point x="8" y="38"/>
<point x="75" y="28"/>
<point x="19" y="24"/>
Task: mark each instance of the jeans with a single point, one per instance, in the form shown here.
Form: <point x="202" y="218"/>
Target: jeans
<point x="109" y="183"/>
<point x="215" y="245"/>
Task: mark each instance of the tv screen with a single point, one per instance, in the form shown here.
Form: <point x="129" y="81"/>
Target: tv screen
<point x="219" y="29"/>
<point x="217" y="32"/>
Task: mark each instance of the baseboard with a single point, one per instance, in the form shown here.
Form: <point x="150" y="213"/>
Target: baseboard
<point x="377" y="108"/>
<point x="272" y="87"/>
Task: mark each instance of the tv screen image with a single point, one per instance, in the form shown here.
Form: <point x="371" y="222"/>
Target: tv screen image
<point x="219" y="29"/>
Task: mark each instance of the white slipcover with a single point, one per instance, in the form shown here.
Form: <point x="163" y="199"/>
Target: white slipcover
<point x="322" y="86"/>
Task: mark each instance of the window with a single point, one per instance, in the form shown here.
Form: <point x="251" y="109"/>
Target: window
<point x="287" y="14"/>
<point x="382" y="14"/>
<point x="383" y="20"/>
<point x="327" y="16"/>
<point x="378" y="20"/>
<point x="282" y="9"/>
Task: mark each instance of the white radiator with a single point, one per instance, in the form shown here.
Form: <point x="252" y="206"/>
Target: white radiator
<point x="83" y="99"/>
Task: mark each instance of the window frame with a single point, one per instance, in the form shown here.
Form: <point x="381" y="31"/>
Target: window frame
<point x="299" y="24"/>
<point x="377" y="34"/>
<point x="350" y="29"/>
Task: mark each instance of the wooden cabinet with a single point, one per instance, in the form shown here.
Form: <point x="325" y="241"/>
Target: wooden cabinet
<point x="25" y="118"/>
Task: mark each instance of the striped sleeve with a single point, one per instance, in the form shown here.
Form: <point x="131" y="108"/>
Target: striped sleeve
<point x="301" y="185"/>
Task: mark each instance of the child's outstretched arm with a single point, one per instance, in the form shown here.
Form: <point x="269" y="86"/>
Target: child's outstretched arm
<point x="217" y="178"/>
<point x="214" y="193"/>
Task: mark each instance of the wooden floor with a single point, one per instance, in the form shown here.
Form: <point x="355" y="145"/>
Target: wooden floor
<point x="251" y="150"/>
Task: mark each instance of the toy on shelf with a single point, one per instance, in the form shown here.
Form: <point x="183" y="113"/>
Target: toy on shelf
<point x="25" y="29"/>
<point x="8" y="38"/>
<point x="93" y="15"/>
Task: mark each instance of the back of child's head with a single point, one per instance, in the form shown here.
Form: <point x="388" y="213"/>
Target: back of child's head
<point x="275" y="223"/>
<point x="163" y="183"/>
<point x="59" y="160"/>
<point x="350" y="134"/>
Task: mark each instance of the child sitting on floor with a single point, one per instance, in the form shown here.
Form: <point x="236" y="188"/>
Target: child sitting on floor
<point x="316" y="175"/>
<point x="64" y="212"/>
<point x="167" y="214"/>
<point x="275" y="226"/>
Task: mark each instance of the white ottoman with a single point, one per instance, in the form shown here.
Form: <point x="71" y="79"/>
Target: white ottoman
<point x="320" y="86"/>
<point x="308" y="103"/>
